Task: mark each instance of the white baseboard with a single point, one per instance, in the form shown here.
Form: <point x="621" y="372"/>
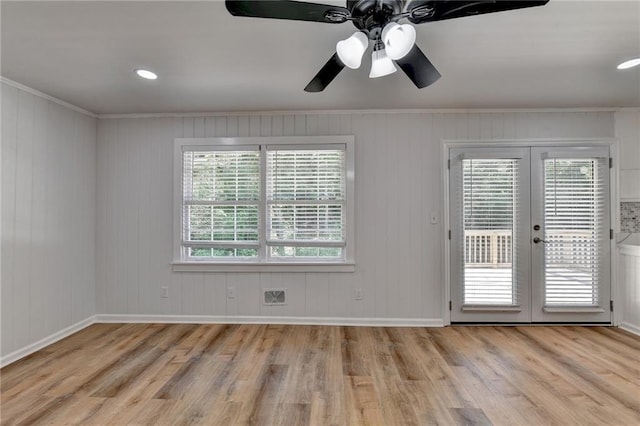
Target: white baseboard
<point x="210" y="319"/>
<point x="28" y="350"/>
<point x="631" y="328"/>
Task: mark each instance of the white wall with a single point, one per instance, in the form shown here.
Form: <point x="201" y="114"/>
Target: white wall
<point x="54" y="271"/>
<point x="629" y="276"/>
<point x="48" y="218"/>
<point x="627" y="129"/>
<point x="398" y="183"/>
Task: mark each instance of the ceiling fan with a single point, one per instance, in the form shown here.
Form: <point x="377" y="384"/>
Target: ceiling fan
<point x="378" y="21"/>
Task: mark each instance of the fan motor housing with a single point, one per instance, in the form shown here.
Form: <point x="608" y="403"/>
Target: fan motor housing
<point x="371" y="16"/>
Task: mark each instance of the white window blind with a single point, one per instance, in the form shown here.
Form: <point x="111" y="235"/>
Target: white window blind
<point x="490" y="214"/>
<point x="575" y="221"/>
<point x="221" y="196"/>
<point x="305" y="202"/>
<point x="257" y="200"/>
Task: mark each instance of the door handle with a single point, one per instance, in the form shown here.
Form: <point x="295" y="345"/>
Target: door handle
<point x="538" y="240"/>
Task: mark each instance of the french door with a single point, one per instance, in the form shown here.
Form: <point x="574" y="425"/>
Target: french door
<point x="530" y="234"/>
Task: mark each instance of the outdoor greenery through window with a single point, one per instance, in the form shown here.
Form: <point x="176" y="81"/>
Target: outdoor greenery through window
<point x="264" y="202"/>
<point x="221" y="200"/>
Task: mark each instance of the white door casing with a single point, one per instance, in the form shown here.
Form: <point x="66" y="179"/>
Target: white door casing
<point x="504" y="268"/>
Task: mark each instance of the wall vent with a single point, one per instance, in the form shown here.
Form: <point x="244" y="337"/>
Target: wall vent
<point x="275" y="296"/>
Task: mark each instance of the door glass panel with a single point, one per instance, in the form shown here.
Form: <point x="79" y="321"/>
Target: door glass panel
<point x="490" y="214"/>
<point x="574" y="224"/>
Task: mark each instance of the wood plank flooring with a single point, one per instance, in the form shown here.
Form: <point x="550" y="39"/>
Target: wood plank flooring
<point x="156" y="374"/>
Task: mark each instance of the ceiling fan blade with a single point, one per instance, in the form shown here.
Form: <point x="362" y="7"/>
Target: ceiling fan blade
<point x="418" y="68"/>
<point x="428" y="11"/>
<point x="326" y="75"/>
<point x="284" y="9"/>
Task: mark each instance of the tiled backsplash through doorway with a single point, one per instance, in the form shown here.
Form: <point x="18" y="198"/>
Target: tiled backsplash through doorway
<point x="630" y="217"/>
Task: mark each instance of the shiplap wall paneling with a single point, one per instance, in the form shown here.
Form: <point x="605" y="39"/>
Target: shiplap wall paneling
<point x="627" y="125"/>
<point x="629" y="275"/>
<point x="9" y="130"/>
<point x="627" y="130"/>
<point x="399" y="259"/>
<point x="48" y="218"/>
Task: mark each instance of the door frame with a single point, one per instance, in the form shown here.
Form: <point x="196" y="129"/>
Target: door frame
<point x="614" y="205"/>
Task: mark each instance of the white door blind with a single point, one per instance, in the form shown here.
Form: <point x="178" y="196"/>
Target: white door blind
<point x="305" y="203"/>
<point x="221" y="194"/>
<point x="490" y="214"/>
<point x="574" y="229"/>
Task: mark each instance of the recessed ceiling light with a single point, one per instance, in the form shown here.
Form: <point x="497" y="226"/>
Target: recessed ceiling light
<point x="629" y="64"/>
<point x="149" y="75"/>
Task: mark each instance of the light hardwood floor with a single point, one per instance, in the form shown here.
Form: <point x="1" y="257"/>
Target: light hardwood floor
<point x="296" y="375"/>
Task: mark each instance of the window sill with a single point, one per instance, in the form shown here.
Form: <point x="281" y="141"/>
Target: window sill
<point x="262" y="267"/>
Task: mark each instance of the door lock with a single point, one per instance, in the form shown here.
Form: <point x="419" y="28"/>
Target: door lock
<point x="536" y="227"/>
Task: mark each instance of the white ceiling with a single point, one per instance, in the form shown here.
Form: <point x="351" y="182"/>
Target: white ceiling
<point x="84" y="52"/>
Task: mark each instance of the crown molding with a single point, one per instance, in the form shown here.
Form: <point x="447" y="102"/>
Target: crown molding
<point x="40" y="94"/>
<point x="363" y="111"/>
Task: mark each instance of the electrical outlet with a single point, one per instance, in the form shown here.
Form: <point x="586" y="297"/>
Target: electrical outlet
<point x="434" y="218"/>
<point x="358" y="294"/>
<point x="231" y="292"/>
<point x="164" y="292"/>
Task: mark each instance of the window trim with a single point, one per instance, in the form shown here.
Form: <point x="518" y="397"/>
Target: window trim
<point x="263" y="265"/>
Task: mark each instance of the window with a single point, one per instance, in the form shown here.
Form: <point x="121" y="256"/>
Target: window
<point x="574" y="220"/>
<point x="269" y="200"/>
<point x="490" y="205"/>
<point x="221" y="198"/>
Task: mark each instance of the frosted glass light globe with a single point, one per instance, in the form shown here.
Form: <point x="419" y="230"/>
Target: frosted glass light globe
<point x="398" y="39"/>
<point x="350" y="50"/>
<point x="381" y="65"/>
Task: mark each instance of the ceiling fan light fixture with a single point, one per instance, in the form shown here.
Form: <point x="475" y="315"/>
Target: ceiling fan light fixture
<point x="398" y="39"/>
<point x="369" y="17"/>
<point x="381" y="65"/>
<point x="350" y="50"/>
<point x="629" y="64"/>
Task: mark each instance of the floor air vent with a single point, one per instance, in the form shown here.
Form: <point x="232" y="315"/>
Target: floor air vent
<point x="275" y="296"/>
